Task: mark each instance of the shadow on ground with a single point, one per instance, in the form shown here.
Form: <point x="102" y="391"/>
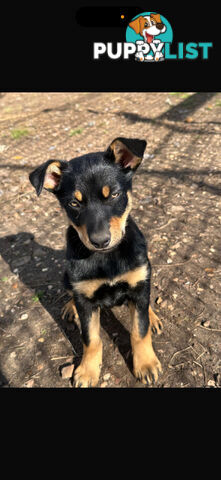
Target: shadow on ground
<point x="22" y="253"/>
<point x="177" y="113"/>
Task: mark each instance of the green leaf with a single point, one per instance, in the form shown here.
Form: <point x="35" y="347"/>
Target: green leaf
<point x="77" y="131"/>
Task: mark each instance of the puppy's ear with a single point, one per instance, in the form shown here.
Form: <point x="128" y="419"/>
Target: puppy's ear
<point x="128" y="152"/>
<point x="156" y="17"/>
<point x="135" y="24"/>
<point x="48" y="176"/>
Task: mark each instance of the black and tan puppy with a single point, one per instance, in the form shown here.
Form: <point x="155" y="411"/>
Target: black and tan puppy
<point x="107" y="253"/>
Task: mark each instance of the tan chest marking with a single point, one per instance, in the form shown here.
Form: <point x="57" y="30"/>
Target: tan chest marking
<point x="89" y="287"/>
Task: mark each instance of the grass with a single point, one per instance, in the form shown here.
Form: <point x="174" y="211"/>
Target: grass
<point x="38" y="295"/>
<point x="4" y="279"/>
<point x="76" y="131"/>
<point x="180" y="94"/>
<point x="18" y="133"/>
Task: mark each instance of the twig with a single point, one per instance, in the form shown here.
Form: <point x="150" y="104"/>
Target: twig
<point x="176" y="353"/>
<point x="170" y="264"/>
<point x="208" y="328"/>
<point x="179" y="364"/>
<point x="60" y="358"/>
<point x="187" y="361"/>
<point x="3" y="330"/>
<point x="165" y="224"/>
<point x="198" y="315"/>
<point x="60" y="296"/>
<point x="18" y="195"/>
<point x="201" y="354"/>
<point x="24" y="194"/>
<point x="199" y="365"/>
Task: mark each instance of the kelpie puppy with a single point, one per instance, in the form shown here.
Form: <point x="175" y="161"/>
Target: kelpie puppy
<point x="107" y="253"/>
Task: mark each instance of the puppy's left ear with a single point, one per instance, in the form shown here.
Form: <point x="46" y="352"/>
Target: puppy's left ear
<point x="128" y="152"/>
<point x="48" y="176"/>
<point x="135" y="24"/>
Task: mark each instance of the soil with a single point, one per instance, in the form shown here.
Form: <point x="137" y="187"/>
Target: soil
<point x="176" y="204"/>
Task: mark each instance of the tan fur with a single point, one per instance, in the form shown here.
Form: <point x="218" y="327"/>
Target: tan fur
<point x="120" y="149"/>
<point x="155" y="322"/>
<point x="156" y="17"/>
<point x="49" y="181"/>
<point x="82" y="232"/>
<point x="142" y="23"/>
<point x="145" y="362"/>
<point x="70" y="311"/>
<point x="138" y="24"/>
<point x="106" y="191"/>
<point x="78" y="195"/>
<point x="88" y="372"/>
<point x="118" y="224"/>
<point x="89" y="287"/>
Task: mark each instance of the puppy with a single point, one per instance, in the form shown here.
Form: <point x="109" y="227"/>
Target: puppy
<point x="148" y="26"/>
<point x="106" y="251"/>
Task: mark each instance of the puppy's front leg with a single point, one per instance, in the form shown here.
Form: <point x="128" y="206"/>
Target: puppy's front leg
<point x="145" y="362"/>
<point x="88" y="372"/>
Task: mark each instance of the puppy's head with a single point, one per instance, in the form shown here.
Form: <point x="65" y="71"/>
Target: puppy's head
<point x="148" y="26"/>
<point x="95" y="190"/>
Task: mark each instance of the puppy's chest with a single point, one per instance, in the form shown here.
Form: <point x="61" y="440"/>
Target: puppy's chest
<point x="112" y="290"/>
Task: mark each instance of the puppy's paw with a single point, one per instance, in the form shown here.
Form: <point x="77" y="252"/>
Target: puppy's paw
<point x="155" y="322"/>
<point x="85" y="377"/>
<point x="139" y="56"/>
<point x="148" y="370"/>
<point x="88" y="372"/>
<point x="146" y="365"/>
<point x="69" y="312"/>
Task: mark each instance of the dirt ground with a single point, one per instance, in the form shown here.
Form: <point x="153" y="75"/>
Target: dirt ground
<point x="176" y="204"/>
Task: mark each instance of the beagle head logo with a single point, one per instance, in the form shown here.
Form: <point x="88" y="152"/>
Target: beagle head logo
<point x="149" y="31"/>
<point x="148" y="26"/>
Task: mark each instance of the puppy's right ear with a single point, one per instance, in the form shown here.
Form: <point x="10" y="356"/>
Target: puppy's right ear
<point x="48" y="176"/>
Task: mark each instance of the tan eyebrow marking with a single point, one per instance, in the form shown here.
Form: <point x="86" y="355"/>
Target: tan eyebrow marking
<point x="106" y="191"/>
<point x="78" y="195"/>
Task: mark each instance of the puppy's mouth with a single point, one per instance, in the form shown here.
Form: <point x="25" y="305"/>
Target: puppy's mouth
<point x="107" y="249"/>
<point x="149" y="38"/>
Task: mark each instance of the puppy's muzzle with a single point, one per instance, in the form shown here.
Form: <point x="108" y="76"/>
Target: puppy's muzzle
<point x="100" y="239"/>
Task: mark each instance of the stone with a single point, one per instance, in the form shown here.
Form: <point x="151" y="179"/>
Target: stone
<point x="67" y="371"/>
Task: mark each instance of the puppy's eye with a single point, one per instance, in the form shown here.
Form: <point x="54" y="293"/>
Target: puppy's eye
<point x="74" y="204"/>
<point x="115" y="195"/>
<point x="146" y="24"/>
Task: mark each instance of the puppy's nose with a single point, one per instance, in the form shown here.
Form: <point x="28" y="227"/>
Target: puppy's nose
<point x="160" y="26"/>
<point x="100" y="239"/>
